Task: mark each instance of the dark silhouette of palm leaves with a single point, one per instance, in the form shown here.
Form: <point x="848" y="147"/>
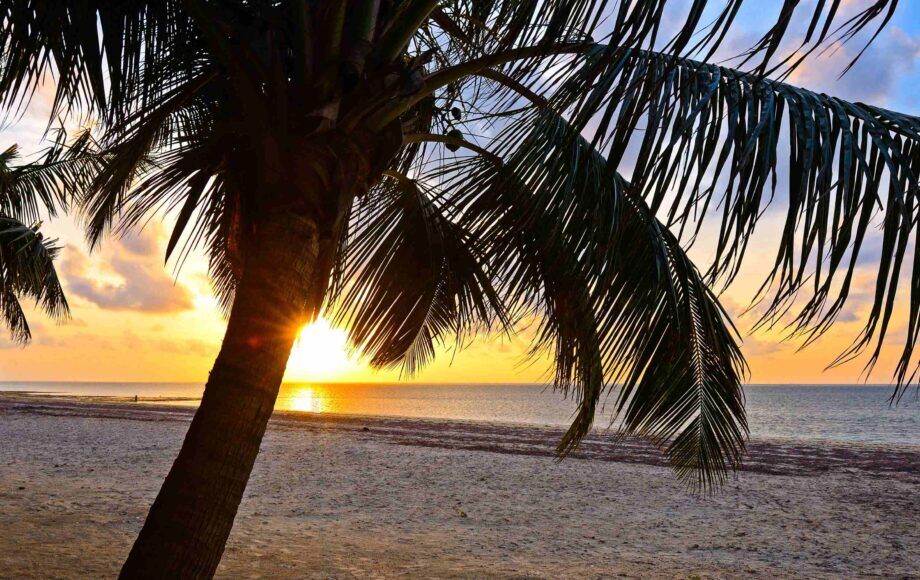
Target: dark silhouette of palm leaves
<point x="27" y="271"/>
<point x="26" y="258"/>
<point x="559" y="237"/>
<point x="505" y="206"/>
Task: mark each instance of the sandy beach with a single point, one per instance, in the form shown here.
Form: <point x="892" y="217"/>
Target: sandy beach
<point x="355" y="497"/>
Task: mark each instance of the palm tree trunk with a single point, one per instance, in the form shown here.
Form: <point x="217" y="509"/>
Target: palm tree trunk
<point x="188" y="525"/>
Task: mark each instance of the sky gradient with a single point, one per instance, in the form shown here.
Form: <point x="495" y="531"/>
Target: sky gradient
<point x="133" y="319"/>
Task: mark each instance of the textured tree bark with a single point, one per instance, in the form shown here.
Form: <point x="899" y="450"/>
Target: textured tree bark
<point x="188" y="525"/>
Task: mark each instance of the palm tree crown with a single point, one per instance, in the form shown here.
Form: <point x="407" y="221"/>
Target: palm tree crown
<point x="483" y="142"/>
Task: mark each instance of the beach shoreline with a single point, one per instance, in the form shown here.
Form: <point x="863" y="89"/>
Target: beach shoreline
<point x="331" y="497"/>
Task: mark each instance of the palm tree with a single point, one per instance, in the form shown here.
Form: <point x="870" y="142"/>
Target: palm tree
<point x="27" y="191"/>
<point x="427" y="170"/>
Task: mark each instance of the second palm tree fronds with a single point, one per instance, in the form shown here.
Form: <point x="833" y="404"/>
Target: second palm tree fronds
<point x="27" y="271"/>
<point x="28" y="192"/>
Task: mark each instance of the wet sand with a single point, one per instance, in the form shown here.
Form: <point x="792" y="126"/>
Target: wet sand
<point x="354" y="497"/>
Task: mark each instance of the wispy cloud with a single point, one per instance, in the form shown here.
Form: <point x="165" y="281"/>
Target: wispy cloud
<point x="874" y="77"/>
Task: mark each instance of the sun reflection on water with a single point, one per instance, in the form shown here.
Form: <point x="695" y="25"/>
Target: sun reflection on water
<point x="304" y="398"/>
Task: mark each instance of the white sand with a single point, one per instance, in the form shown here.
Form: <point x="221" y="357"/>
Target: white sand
<point x="328" y="499"/>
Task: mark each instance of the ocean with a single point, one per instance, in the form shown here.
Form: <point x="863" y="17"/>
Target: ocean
<point x="839" y="413"/>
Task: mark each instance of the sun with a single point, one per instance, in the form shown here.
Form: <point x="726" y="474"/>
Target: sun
<point x="320" y="353"/>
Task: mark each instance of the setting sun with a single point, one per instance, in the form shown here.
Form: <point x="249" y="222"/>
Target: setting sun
<point x="320" y="353"/>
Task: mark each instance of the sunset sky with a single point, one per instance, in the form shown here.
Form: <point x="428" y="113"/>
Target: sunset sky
<point x="134" y="320"/>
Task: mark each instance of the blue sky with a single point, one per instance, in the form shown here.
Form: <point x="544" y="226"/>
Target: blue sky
<point x="888" y="75"/>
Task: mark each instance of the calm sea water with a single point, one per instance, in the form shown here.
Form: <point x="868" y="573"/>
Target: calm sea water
<point x="804" y="412"/>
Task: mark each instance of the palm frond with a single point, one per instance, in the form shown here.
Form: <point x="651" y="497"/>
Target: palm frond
<point x="414" y="278"/>
<point x="29" y="191"/>
<point x="494" y="26"/>
<point x="27" y="270"/>
<point x="523" y="38"/>
<point x="707" y="140"/>
<point x="101" y="54"/>
<point x="710" y="138"/>
<point x="619" y="303"/>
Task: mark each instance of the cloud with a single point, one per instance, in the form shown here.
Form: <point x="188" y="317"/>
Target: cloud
<point x="189" y="347"/>
<point x="144" y="244"/>
<point x="7" y="344"/>
<point x="849" y="315"/>
<point x="125" y="341"/>
<point x="38" y="330"/>
<point x="174" y="345"/>
<point x="759" y="347"/>
<point x="50" y="342"/>
<point x="143" y="284"/>
<point x="875" y="76"/>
